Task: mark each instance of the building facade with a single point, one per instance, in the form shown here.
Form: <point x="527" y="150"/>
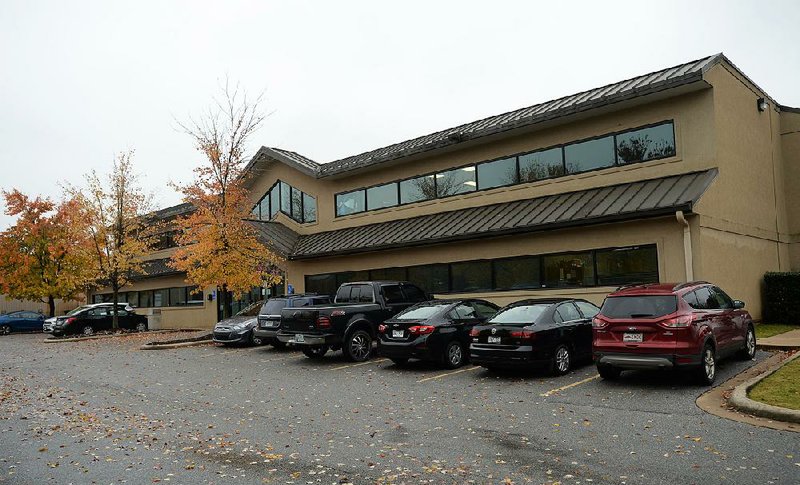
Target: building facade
<point x="681" y="174"/>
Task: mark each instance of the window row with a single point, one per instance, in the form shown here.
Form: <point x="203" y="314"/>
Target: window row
<point x="599" y="267"/>
<point x="638" y="145"/>
<point x="293" y="202"/>
<point x="165" y="297"/>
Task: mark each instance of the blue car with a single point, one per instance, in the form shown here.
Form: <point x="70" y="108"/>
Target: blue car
<point x="21" y="322"/>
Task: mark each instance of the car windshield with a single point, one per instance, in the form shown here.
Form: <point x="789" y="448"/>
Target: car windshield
<point x="79" y="309"/>
<point x="273" y="307"/>
<point x="640" y="306"/>
<point x="420" y="312"/>
<point x="519" y="315"/>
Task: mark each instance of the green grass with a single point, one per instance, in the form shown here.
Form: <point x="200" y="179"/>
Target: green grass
<point x="765" y="330"/>
<point x="781" y="388"/>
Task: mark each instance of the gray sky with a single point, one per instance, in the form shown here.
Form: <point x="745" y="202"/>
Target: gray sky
<point x="81" y="81"/>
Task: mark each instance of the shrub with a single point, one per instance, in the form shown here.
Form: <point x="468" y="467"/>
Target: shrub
<point x="782" y="298"/>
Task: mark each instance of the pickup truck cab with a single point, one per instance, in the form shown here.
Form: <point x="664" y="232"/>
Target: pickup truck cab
<point x="351" y="322"/>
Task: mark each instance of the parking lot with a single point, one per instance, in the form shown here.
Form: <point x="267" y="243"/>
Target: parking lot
<point x="105" y="412"/>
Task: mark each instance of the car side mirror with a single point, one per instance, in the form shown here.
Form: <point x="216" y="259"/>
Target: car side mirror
<point x="738" y="304"/>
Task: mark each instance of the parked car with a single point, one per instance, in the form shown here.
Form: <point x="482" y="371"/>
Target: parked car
<point x="47" y="326"/>
<point x="23" y="321"/>
<point x="236" y="330"/>
<point x="88" y="319"/>
<point x="666" y="326"/>
<point x="552" y="333"/>
<point x="351" y="322"/>
<point x="269" y="317"/>
<point x="436" y="330"/>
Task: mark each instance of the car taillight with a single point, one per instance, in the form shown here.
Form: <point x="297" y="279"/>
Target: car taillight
<point x="682" y="321"/>
<point x="70" y="321"/>
<point x="382" y="328"/>
<point x="421" y="329"/>
<point x="598" y="323"/>
<point x="522" y="334"/>
<point x="323" y="322"/>
<point x="474" y="332"/>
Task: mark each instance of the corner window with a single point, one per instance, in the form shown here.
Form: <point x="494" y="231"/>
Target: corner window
<point x="417" y="189"/>
<point x="589" y="155"/>
<point x="286" y="198"/>
<point x="309" y="208"/>
<point x="297" y="205"/>
<point x="458" y="181"/>
<point x="382" y="196"/>
<point x="541" y="165"/>
<point x="498" y="173"/>
<point x="350" y="203"/>
<point x="646" y="144"/>
<point x="274" y="201"/>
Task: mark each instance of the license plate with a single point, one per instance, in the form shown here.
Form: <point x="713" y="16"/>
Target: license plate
<point x="299" y="338"/>
<point x="398" y="333"/>
<point x="632" y="337"/>
<point x="494" y="340"/>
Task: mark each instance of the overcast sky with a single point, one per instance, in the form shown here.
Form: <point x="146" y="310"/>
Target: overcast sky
<point x="81" y="81"/>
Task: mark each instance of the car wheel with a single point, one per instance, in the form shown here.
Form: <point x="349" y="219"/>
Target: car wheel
<point x="87" y="330"/>
<point x="315" y="352"/>
<point x="358" y="346"/>
<point x="562" y="360"/>
<point x="254" y="340"/>
<point x="277" y="344"/>
<point x="453" y="355"/>
<point x="748" y="352"/>
<point x="707" y="371"/>
<point x="5" y="330"/>
<point x="608" y="373"/>
<point x="141" y="327"/>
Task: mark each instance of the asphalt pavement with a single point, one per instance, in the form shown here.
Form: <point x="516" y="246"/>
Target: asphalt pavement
<point x="104" y="412"/>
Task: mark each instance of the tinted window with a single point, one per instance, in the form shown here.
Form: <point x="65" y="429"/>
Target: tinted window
<point x="297" y="205"/>
<point x="350" y="276"/>
<point x="471" y="276"/>
<point x="483" y="309"/>
<point x="498" y="173"/>
<point x="416" y="189"/>
<point x="511" y="274"/>
<point x="396" y="274"/>
<point x="564" y="270"/>
<point x="323" y="283"/>
<point x="649" y="306"/>
<point x="589" y="155"/>
<point x="161" y="297"/>
<point x="392" y="294"/>
<point x="97" y="312"/>
<point x="146" y="299"/>
<point x="420" y="312"/>
<point x="286" y="199"/>
<point x="355" y="294"/>
<point x="414" y="294"/>
<point x="567" y="312"/>
<point x="177" y="296"/>
<point x="382" y="196"/>
<point x="691" y="299"/>
<point x="195" y="296"/>
<point x="627" y="265"/>
<point x="462" y="312"/>
<point x="587" y="309"/>
<point x="263" y="208"/>
<point x="350" y="203"/>
<point x="272" y="307"/>
<point x="456" y="181"/>
<point x="435" y="277"/>
<point x="541" y="165"/>
<point x="309" y="208"/>
<point x="274" y="201"/>
<point x="723" y="300"/>
<point x="519" y="315"/>
<point x="704" y="299"/>
<point x="646" y="144"/>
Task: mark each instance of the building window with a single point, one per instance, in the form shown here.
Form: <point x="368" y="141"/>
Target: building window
<point x="565" y="270"/>
<point x="195" y="296"/>
<point x="471" y="276"/>
<point x="297" y="205"/>
<point x="433" y="278"/>
<point x="382" y="196"/>
<point x="161" y="297"/>
<point x="624" y="265"/>
<point x="541" y="165"/>
<point x="646" y="144"/>
<point x="286" y="198"/>
<point x="390" y="274"/>
<point x="323" y="284"/>
<point x="498" y="173"/>
<point x="516" y="273"/>
<point x="417" y="189"/>
<point x="177" y="296"/>
<point x="589" y="155"/>
<point x="350" y="203"/>
<point x="274" y="201"/>
<point x="457" y="181"/>
<point x="309" y="208"/>
<point x="146" y="299"/>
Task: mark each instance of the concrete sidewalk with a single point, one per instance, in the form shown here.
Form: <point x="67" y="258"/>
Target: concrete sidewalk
<point x="785" y="341"/>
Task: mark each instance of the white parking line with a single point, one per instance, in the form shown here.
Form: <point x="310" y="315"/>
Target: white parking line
<point x="360" y="363"/>
<point x="584" y="381"/>
<point x="439" y="376"/>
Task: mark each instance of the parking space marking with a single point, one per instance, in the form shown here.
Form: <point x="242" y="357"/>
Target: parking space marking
<point x="439" y="376"/>
<point x="562" y="388"/>
<point x="360" y="363"/>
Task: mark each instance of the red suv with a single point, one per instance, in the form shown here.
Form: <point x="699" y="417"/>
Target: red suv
<point x="665" y="326"/>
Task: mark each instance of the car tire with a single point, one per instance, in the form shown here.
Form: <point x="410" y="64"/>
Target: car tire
<point x="453" y="357"/>
<point x="256" y="341"/>
<point x="748" y="352"/>
<point x="87" y="330"/>
<point x="608" y="372"/>
<point x="277" y="344"/>
<point x="141" y="327"/>
<point x="561" y="362"/>
<point x="315" y="352"/>
<point x="358" y="346"/>
<point x="400" y="362"/>
<point x="707" y="371"/>
<point x="5" y="330"/>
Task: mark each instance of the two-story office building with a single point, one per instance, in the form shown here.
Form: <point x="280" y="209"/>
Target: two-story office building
<point x="684" y="173"/>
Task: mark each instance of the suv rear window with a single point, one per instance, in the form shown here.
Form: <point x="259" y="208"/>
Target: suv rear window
<point x="643" y="306"/>
<point x="273" y="307"/>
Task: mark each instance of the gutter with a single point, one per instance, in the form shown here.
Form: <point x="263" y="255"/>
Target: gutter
<point x="687" y="245"/>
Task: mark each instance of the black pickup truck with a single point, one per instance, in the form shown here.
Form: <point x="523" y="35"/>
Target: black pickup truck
<point x="351" y="322"/>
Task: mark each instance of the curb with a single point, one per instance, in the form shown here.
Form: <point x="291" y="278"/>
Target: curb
<point x="55" y="340"/>
<point x="152" y="346"/>
<point x="741" y="402"/>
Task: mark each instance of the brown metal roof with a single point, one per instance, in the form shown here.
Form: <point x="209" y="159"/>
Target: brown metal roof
<point x="633" y="200"/>
<point x="276" y="236"/>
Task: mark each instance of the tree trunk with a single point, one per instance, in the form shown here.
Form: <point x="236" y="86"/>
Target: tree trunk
<point x="51" y="305"/>
<point x="226" y="302"/>
<point x="114" y="316"/>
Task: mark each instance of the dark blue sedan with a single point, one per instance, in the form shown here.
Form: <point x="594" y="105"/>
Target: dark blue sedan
<point x="21" y="322"/>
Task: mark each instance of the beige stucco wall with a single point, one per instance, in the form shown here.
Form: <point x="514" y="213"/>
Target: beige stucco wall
<point x="666" y="233"/>
<point x="790" y="149"/>
<point x="7" y="305"/>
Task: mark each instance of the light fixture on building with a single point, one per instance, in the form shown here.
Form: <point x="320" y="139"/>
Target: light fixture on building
<point x="762" y="105"/>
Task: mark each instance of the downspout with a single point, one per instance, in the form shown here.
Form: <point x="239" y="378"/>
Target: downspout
<point x="687" y="245"/>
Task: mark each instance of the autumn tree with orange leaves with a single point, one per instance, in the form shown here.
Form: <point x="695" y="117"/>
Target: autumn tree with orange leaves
<point x="44" y="255"/>
<point x="217" y="247"/>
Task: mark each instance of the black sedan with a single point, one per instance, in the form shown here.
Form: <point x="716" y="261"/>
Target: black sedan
<point x="434" y="330"/>
<point x="551" y="333"/>
<point x="88" y="319"/>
